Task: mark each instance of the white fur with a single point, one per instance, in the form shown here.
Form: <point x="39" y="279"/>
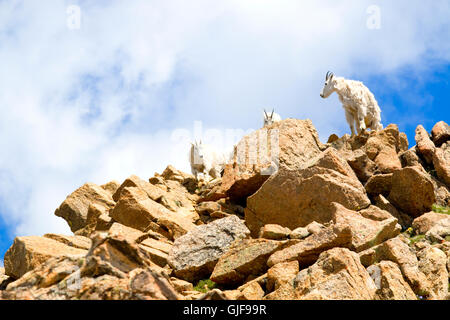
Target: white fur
<point x="359" y="103"/>
<point x="270" y="118"/>
<point x="206" y="160"/>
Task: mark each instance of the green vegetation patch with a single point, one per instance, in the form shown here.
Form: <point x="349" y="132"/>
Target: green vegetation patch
<point x="417" y="238"/>
<point x="205" y="285"/>
<point x="441" y="209"/>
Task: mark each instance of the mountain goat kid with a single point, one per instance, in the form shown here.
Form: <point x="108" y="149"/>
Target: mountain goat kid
<point x="205" y="160"/>
<point x="270" y="119"/>
<point x="357" y="100"/>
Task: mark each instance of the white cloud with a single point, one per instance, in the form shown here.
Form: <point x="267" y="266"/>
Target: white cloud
<point x="101" y="102"/>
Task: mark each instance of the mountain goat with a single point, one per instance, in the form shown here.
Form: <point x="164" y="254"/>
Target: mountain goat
<point x="205" y="160"/>
<point x="357" y="100"/>
<point x="270" y="119"/>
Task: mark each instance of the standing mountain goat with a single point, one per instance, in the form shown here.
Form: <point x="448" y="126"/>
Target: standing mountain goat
<point x="357" y="100"/>
<point x="204" y="159"/>
<point x="269" y="119"/>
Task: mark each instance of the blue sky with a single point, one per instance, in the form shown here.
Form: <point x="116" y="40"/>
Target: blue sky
<point x="426" y="103"/>
<point x="5" y="238"/>
<point x="121" y="92"/>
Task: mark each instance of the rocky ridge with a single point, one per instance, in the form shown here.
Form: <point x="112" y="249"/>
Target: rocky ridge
<point x="362" y="217"/>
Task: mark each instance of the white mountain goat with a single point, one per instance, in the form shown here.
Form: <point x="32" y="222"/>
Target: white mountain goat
<point x="357" y="100"/>
<point x="269" y="119"/>
<point x="207" y="161"/>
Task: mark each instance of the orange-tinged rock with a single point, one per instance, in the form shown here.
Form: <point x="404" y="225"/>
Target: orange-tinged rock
<point x="366" y="232"/>
<point x="274" y="232"/>
<point x="111" y="186"/>
<point x="295" y="198"/>
<point x="440" y="133"/>
<point x="136" y="210"/>
<point x="425" y="147"/>
<point x="379" y="184"/>
<point x="339" y="269"/>
<point x="412" y="191"/>
<point x="75" y="208"/>
<point x="28" y="253"/>
<point x="246" y="257"/>
<point x="433" y="263"/>
<point x="427" y="221"/>
<point x="252" y="292"/>
<point x="79" y="242"/>
<point x="288" y="144"/>
<point x="281" y="274"/>
<point x="390" y="283"/>
<point x="307" y="251"/>
<point x="396" y="250"/>
<point x="441" y="162"/>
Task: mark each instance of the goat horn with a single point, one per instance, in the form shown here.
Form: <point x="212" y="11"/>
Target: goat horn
<point x="273" y="110"/>
<point x="328" y="75"/>
<point x="265" y="113"/>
